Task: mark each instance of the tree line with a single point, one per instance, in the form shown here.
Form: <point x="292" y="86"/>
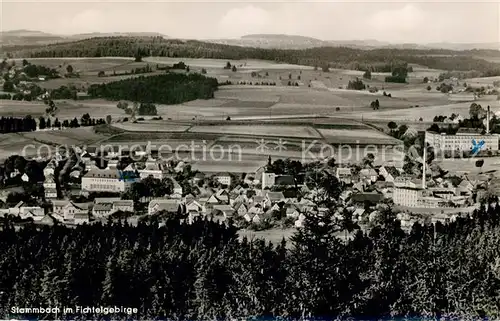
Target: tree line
<point x="202" y="271"/>
<point x="375" y="60"/>
<point x="16" y="125"/>
<point x="170" y="88"/>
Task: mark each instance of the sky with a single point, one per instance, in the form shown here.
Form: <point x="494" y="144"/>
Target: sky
<point x="393" y="21"/>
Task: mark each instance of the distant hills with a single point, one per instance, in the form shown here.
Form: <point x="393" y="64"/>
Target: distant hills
<point x="281" y="41"/>
<point x="24" y="37"/>
<point x="264" y="41"/>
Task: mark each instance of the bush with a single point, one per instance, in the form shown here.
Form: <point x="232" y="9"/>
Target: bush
<point x="356" y="85"/>
<point x="396" y="79"/>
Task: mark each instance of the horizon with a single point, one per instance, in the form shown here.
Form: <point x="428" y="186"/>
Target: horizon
<point x="396" y="22"/>
<point x="246" y="35"/>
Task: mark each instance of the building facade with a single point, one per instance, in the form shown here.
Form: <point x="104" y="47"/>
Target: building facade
<point x="461" y="141"/>
<point x="107" y="180"/>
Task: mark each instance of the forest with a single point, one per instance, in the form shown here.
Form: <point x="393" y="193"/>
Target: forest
<point x="203" y="271"/>
<point x="334" y="57"/>
<point x="169" y="88"/>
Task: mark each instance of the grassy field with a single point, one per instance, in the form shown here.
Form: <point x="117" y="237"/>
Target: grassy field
<point x="14" y="108"/>
<point x="15" y="144"/>
<point x="70" y="136"/>
<point x="151" y="126"/>
<point x="259" y="130"/>
<point x="468" y="165"/>
<point x="356" y="135"/>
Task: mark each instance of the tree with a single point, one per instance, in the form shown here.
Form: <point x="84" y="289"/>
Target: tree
<point x="325" y="68"/>
<point x="69" y="69"/>
<point x="429" y="88"/>
<point x="475" y="110"/>
<point x="203" y="71"/>
<point x="356" y="85"/>
<point x="367" y="74"/>
<point x="234" y="69"/>
<point x="228" y="118"/>
<point x="108" y="119"/>
<point x="8" y="86"/>
<point x="187" y="68"/>
<point x="392" y="125"/>
<point x="41" y="122"/>
<point x="101" y="73"/>
<point x="369" y="159"/>
<point x="122" y="105"/>
<point x="426" y="79"/>
<point x="228" y="65"/>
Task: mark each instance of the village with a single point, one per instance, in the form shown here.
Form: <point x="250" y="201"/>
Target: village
<point x="86" y="185"/>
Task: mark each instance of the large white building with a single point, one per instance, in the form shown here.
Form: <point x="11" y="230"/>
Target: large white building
<point x="461" y="141"/>
<point x="108" y="180"/>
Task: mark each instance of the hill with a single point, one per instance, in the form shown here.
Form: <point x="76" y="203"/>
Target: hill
<point x="382" y="60"/>
<point x="23" y="37"/>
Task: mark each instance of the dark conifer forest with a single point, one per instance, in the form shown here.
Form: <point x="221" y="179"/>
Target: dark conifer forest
<point x="203" y="271"/>
<point x="170" y="88"/>
<point x="380" y="60"/>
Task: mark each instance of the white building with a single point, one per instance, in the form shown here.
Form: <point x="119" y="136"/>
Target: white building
<point x="462" y="141"/>
<point x="172" y="206"/>
<point x="223" y="178"/>
<point x="107" y="180"/>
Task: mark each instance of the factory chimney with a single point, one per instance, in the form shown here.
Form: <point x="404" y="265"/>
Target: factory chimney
<point x="424" y="163"/>
<point x="488" y="120"/>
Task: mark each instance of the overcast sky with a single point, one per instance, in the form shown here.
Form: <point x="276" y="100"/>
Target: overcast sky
<point x="394" y="21"/>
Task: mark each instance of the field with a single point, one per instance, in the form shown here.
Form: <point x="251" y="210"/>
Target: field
<point x="320" y="108"/>
<point x="356" y="135"/>
<point x="151" y="127"/>
<point x="259" y="130"/>
<point x="69" y="137"/>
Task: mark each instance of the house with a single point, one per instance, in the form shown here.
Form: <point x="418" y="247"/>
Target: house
<point x="49" y="182"/>
<point x="390" y="173"/>
<point x="198" y="177"/>
<point x="112" y="164"/>
<point x="171" y="206"/>
<point x="195" y="206"/>
<point x="300" y="221"/>
<point x="108" y="180"/>
<point x="274" y="197"/>
<point x="367" y="198"/>
<point x="22" y="209"/>
<point x="47" y="220"/>
<point x="123" y="206"/>
<point x="68" y="209"/>
<point x="81" y="218"/>
<point x="368" y="174"/>
<point x="75" y="174"/>
<point x="100" y="210"/>
<point x="86" y="158"/>
<point x="466" y="187"/>
<point x="292" y="210"/>
<point x="271" y="179"/>
<point x="50" y="193"/>
<point x="250" y="179"/>
<point x="152" y="168"/>
<point x="344" y="174"/>
<point x="224" y="210"/>
<point x="177" y="188"/>
<point x="49" y="187"/>
<point x="25" y="177"/>
<point x="240" y="208"/>
<point x="223" y="178"/>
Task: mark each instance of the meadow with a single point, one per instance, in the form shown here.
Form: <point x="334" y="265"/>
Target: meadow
<point x="319" y="108"/>
<point x="259" y="130"/>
